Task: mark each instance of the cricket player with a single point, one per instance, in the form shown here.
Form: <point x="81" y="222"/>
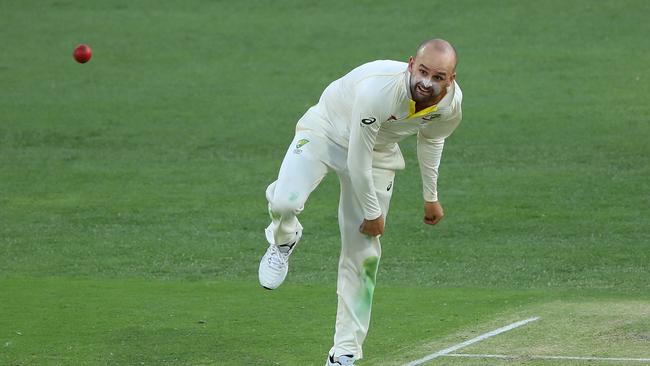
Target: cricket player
<point x="354" y="130"/>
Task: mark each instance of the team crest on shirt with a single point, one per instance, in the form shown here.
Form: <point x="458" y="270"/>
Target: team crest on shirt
<point x="299" y="145"/>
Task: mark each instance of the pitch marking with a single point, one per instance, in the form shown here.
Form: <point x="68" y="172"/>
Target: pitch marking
<point x="451" y="349"/>
<point x="588" y="358"/>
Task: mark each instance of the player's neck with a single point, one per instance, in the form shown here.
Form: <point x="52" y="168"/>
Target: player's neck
<point x="421" y="106"/>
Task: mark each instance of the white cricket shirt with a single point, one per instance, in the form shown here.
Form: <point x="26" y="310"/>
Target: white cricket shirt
<point x="369" y="110"/>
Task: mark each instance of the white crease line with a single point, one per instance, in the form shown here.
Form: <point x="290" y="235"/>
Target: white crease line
<point x="451" y="349"/>
<point x="536" y="357"/>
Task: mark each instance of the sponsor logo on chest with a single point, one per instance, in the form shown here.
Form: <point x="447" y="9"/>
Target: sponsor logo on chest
<point x="431" y="116"/>
<point x="423" y="120"/>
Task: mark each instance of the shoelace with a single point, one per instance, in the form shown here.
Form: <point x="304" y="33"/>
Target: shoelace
<point x="277" y="259"/>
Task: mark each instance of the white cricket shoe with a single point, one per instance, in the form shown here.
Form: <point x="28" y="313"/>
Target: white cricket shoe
<point x="275" y="264"/>
<point x="347" y="360"/>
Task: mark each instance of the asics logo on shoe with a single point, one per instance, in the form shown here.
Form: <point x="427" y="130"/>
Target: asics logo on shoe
<point x="346" y="360"/>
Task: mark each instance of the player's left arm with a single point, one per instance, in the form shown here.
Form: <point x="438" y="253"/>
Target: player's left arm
<point x="429" y="155"/>
<point x="367" y="115"/>
<point x="430" y="143"/>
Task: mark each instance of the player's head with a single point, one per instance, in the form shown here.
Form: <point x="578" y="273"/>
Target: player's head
<point x="433" y="69"/>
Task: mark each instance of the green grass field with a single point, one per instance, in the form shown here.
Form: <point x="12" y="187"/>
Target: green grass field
<point x="132" y="200"/>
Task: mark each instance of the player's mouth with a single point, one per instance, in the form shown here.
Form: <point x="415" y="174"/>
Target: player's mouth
<point x="422" y="90"/>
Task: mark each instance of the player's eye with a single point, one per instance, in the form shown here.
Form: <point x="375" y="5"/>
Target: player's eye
<point x="424" y="73"/>
<point x="439" y="78"/>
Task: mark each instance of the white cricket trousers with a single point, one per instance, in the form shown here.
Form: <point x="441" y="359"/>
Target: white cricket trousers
<point x="305" y="164"/>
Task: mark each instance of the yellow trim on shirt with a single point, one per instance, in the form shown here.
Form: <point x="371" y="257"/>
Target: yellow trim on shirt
<point x="421" y="113"/>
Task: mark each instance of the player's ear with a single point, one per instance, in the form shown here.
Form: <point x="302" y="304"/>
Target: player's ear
<point x="411" y="62"/>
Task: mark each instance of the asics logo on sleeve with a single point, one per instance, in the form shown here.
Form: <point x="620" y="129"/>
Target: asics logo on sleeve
<point x="368" y="121"/>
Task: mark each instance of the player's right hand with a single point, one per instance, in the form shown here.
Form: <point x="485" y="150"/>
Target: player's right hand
<point x="372" y="227"/>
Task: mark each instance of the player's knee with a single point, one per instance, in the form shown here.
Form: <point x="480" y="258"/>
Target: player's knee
<point x="286" y="206"/>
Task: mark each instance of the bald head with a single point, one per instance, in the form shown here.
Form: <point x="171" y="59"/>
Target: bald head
<point x="437" y="48"/>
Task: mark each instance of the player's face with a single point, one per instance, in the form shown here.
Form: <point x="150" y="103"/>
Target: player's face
<point x="430" y="77"/>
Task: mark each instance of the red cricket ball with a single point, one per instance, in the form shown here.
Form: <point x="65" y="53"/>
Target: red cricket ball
<point x="82" y="53"/>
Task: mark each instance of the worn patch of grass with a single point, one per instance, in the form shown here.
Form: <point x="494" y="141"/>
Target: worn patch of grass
<point x="569" y="326"/>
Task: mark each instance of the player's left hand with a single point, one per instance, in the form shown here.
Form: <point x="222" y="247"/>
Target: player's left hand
<point x="432" y="213"/>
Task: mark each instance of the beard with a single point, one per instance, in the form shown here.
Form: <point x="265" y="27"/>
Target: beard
<point x="423" y="94"/>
